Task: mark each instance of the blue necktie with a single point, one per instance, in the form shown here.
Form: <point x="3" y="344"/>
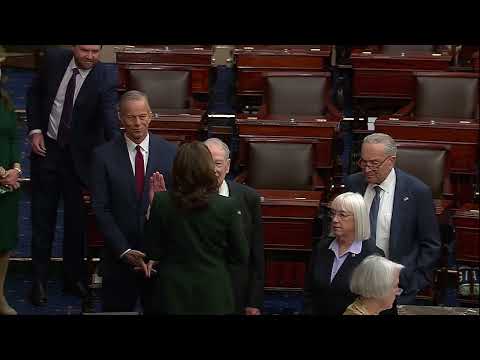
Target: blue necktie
<point x="374" y="214"/>
<point x="63" y="137"/>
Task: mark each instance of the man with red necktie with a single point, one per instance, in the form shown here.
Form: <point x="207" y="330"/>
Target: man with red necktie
<point x="125" y="174"/>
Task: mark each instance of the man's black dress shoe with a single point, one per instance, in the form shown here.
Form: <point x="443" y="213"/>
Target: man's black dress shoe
<point x="38" y="295"/>
<point x="75" y="289"/>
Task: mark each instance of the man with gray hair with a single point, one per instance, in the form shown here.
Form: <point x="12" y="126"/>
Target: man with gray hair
<point x="125" y="174"/>
<point x="248" y="282"/>
<point x="402" y="214"/>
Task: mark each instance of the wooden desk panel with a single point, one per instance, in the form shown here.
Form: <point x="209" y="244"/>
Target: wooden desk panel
<point x="197" y="60"/>
<point x="177" y="128"/>
<point x="322" y="133"/>
<point x="383" y="76"/>
<point x="467" y="227"/>
<point x="288" y="218"/>
<point x="476" y="61"/>
<point x="251" y="63"/>
<point x="463" y="139"/>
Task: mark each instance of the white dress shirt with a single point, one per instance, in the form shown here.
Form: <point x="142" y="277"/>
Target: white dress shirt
<point x="57" y="107"/>
<point x="385" y="209"/>
<point x="132" y="151"/>
<point x="223" y="190"/>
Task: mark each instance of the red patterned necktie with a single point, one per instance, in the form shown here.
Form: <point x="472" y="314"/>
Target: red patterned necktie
<point x="139" y="172"/>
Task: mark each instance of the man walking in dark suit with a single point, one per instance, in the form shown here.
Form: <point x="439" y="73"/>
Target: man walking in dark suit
<point x="402" y="213"/>
<point x="126" y="173"/>
<point x="71" y="108"/>
<point x="248" y="281"/>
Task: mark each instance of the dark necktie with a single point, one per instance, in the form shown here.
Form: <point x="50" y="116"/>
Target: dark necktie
<point x="63" y="137"/>
<point x="139" y="172"/>
<point x="374" y="214"/>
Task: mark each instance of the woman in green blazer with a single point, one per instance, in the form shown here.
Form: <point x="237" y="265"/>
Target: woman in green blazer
<point x="9" y="195"/>
<point x="192" y="235"/>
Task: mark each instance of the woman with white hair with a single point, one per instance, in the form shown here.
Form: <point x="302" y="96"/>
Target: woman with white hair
<point x="332" y="261"/>
<point x="375" y="280"/>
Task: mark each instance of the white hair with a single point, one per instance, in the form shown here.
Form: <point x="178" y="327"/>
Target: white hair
<point x="374" y="277"/>
<point x="220" y="144"/>
<point x="133" y="95"/>
<point x="386" y="140"/>
<point x="354" y="203"/>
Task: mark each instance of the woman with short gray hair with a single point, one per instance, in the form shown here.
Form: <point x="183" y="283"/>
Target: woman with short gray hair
<point x="375" y="280"/>
<point x="333" y="259"/>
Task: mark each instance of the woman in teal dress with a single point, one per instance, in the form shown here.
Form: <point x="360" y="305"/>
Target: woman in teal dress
<point x="10" y="172"/>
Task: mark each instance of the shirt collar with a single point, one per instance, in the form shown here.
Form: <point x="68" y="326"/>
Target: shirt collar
<point x="388" y="184"/>
<point x="223" y="189"/>
<point x="143" y="145"/>
<point x="83" y="73"/>
<point x="355" y="248"/>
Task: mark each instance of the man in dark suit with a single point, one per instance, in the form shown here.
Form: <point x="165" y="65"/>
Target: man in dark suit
<point x="71" y="108"/>
<point x="126" y="172"/>
<point x="248" y="281"/>
<point x="402" y="213"/>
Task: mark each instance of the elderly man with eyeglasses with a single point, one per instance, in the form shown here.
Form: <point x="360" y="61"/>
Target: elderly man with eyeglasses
<point x="401" y="211"/>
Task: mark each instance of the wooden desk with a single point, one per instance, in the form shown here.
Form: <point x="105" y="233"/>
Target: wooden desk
<point x="178" y="128"/>
<point x="467" y="227"/>
<point x="462" y="137"/>
<point x="302" y="127"/>
<point x="476" y="61"/>
<point x="435" y="310"/>
<point x="196" y="59"/>
<point x="288" y="218"/>
<point x="387" y="76"/>
<point x="253" y="60"/>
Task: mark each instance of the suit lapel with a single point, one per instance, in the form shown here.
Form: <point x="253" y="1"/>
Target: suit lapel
<point x="126" y="168"/>
<point x="325" y="265"/>
<point x="88" y="86"/>
<point x="400" y="207"/>
<point x="57" y="73"/>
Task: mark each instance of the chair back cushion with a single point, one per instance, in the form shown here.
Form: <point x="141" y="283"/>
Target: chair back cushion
<point x="281" y="166"/>
<point x="426" y="164"/>
<point x="296" y="95"/>
<point x="166" y="89"/>
<point x="447" y="97"/>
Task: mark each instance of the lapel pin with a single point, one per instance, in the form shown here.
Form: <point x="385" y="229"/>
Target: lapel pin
<point x="405" y="198"/>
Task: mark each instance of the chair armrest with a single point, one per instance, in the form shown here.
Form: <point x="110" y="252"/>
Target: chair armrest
<point x="406" y="110"/>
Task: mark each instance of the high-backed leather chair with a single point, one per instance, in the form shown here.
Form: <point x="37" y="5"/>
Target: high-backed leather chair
<point x="284" y="166"/>
<point x="445" y="95"/>
<point x="168" y="90"/>
<point x="428" y="162"/>
<point x="295" y="93"/>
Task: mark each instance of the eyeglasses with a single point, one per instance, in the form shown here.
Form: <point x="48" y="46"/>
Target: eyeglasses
<point x="342" y="215"/>
<point x="373" y="165"/>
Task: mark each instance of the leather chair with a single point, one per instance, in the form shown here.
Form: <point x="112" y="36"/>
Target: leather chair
<point x="168" y="89"/>
<point x="445" y="96"/>
<point x="280" y="166"/>
<point x="285" y="164"/>
<point x="301" y="94"/>
<point x="428" y="162"/>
